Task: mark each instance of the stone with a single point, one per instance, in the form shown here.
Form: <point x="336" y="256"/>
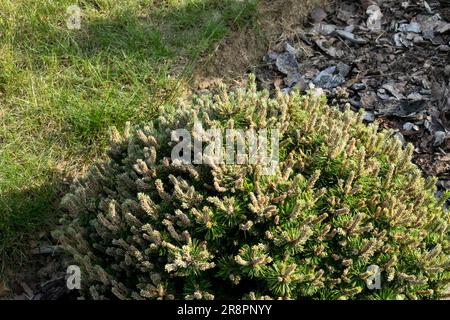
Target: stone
<point x="375" y="16"/>
<point x="343" y="69"/>
<point x="415" y="96"/>
<point x="290" y="49"/>
<point x="287" y="63"/>
<point x="351" y="37"/>
<point x="427" y="7"/>
<point x="417" y="39"/>
<point x="410" y="27"/>
<point x="439" y="137"/>
<point x="394" y="91"/>
<point x="359" y="86"/>
<point x="447" y="70"/>
<point x="369" y="100"/>
<point x="292" y="79"/>
<point x="443" y="28"/>
<point x="326" y="79"/>
<point x="408" y="126"/>
<point x="327" y="29"/>
<point x="369" y="116"/>
<point x="401" y="40"/>
<point x="323" y="45"/>
<point x="401" y="138"/>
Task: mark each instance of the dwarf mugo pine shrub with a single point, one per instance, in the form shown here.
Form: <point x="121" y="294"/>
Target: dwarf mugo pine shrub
<point x="344" y="196"/>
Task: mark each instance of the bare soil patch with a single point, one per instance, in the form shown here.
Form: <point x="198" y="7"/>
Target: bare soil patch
<point x="241" y="50"/>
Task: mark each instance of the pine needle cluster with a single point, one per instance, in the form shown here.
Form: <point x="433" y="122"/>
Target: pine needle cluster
<point x="345" y="196"/>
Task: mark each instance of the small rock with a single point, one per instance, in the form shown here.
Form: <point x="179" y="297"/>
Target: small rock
<point x="428" y="34"/>
<point x="401" y="138"/>
<point x="408" y="126"/>
<point x="428" y="27"/>
<point x="349" y="28"/>
<point x="401" y="40"/>
<point x="327" y="29"/>
<point x="369" y="116"/>
<point x="355" y="103"/>
<point x="369" y="100"/>
<point x="437" y="41"/>
<point x="428" y="125"/>
<point x="323" y="45"/>
<point x="290" y="49"/>
<point x="427" y="7"/>
<point x="418" y="39"/>
<point x="447" y="70"/>
<point x="272" y="56"/>
<point x="287" y="63"/>
<point x="327" y="80"/>
<point x="359" y="86"/>
<point x="426" y="84"/>
<point x="351" y="37"/>
<point x="444" y="48"/>
<point x="343" y="69"/>
<point x="292" y="79"/>
<point x="286" y="90"/>
<point x="439" y="137"/>
<point x="438" y="195"/>
<point x="383" y="96"/>
<point x="445" y="27"/>
<point x="410" y="27"/>
<point x="392" y="90"/>
<point x="415" y="96"/>
<point x="398" y="40"/>
<point x="375" y="16"/>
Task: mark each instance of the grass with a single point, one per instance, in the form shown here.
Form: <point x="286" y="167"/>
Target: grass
<point x="61" y="90"/>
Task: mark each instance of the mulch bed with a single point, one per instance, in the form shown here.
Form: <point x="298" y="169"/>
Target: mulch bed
<point x="389" y="57"/>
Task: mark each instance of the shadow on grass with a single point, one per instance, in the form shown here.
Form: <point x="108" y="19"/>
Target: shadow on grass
<point x="26" y="217"/>
<point x="115" y="69"/>
<point x="188" y="30"/>
<point x="127" y="65"/>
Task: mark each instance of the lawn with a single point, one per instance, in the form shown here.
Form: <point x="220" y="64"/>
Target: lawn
<point x="62" y="89"/>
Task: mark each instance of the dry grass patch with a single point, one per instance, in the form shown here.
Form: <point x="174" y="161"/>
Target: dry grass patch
<point x="242" y="49"/>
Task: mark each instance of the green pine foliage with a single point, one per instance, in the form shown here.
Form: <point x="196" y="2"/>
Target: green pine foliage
<point x="345" y="196"/>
